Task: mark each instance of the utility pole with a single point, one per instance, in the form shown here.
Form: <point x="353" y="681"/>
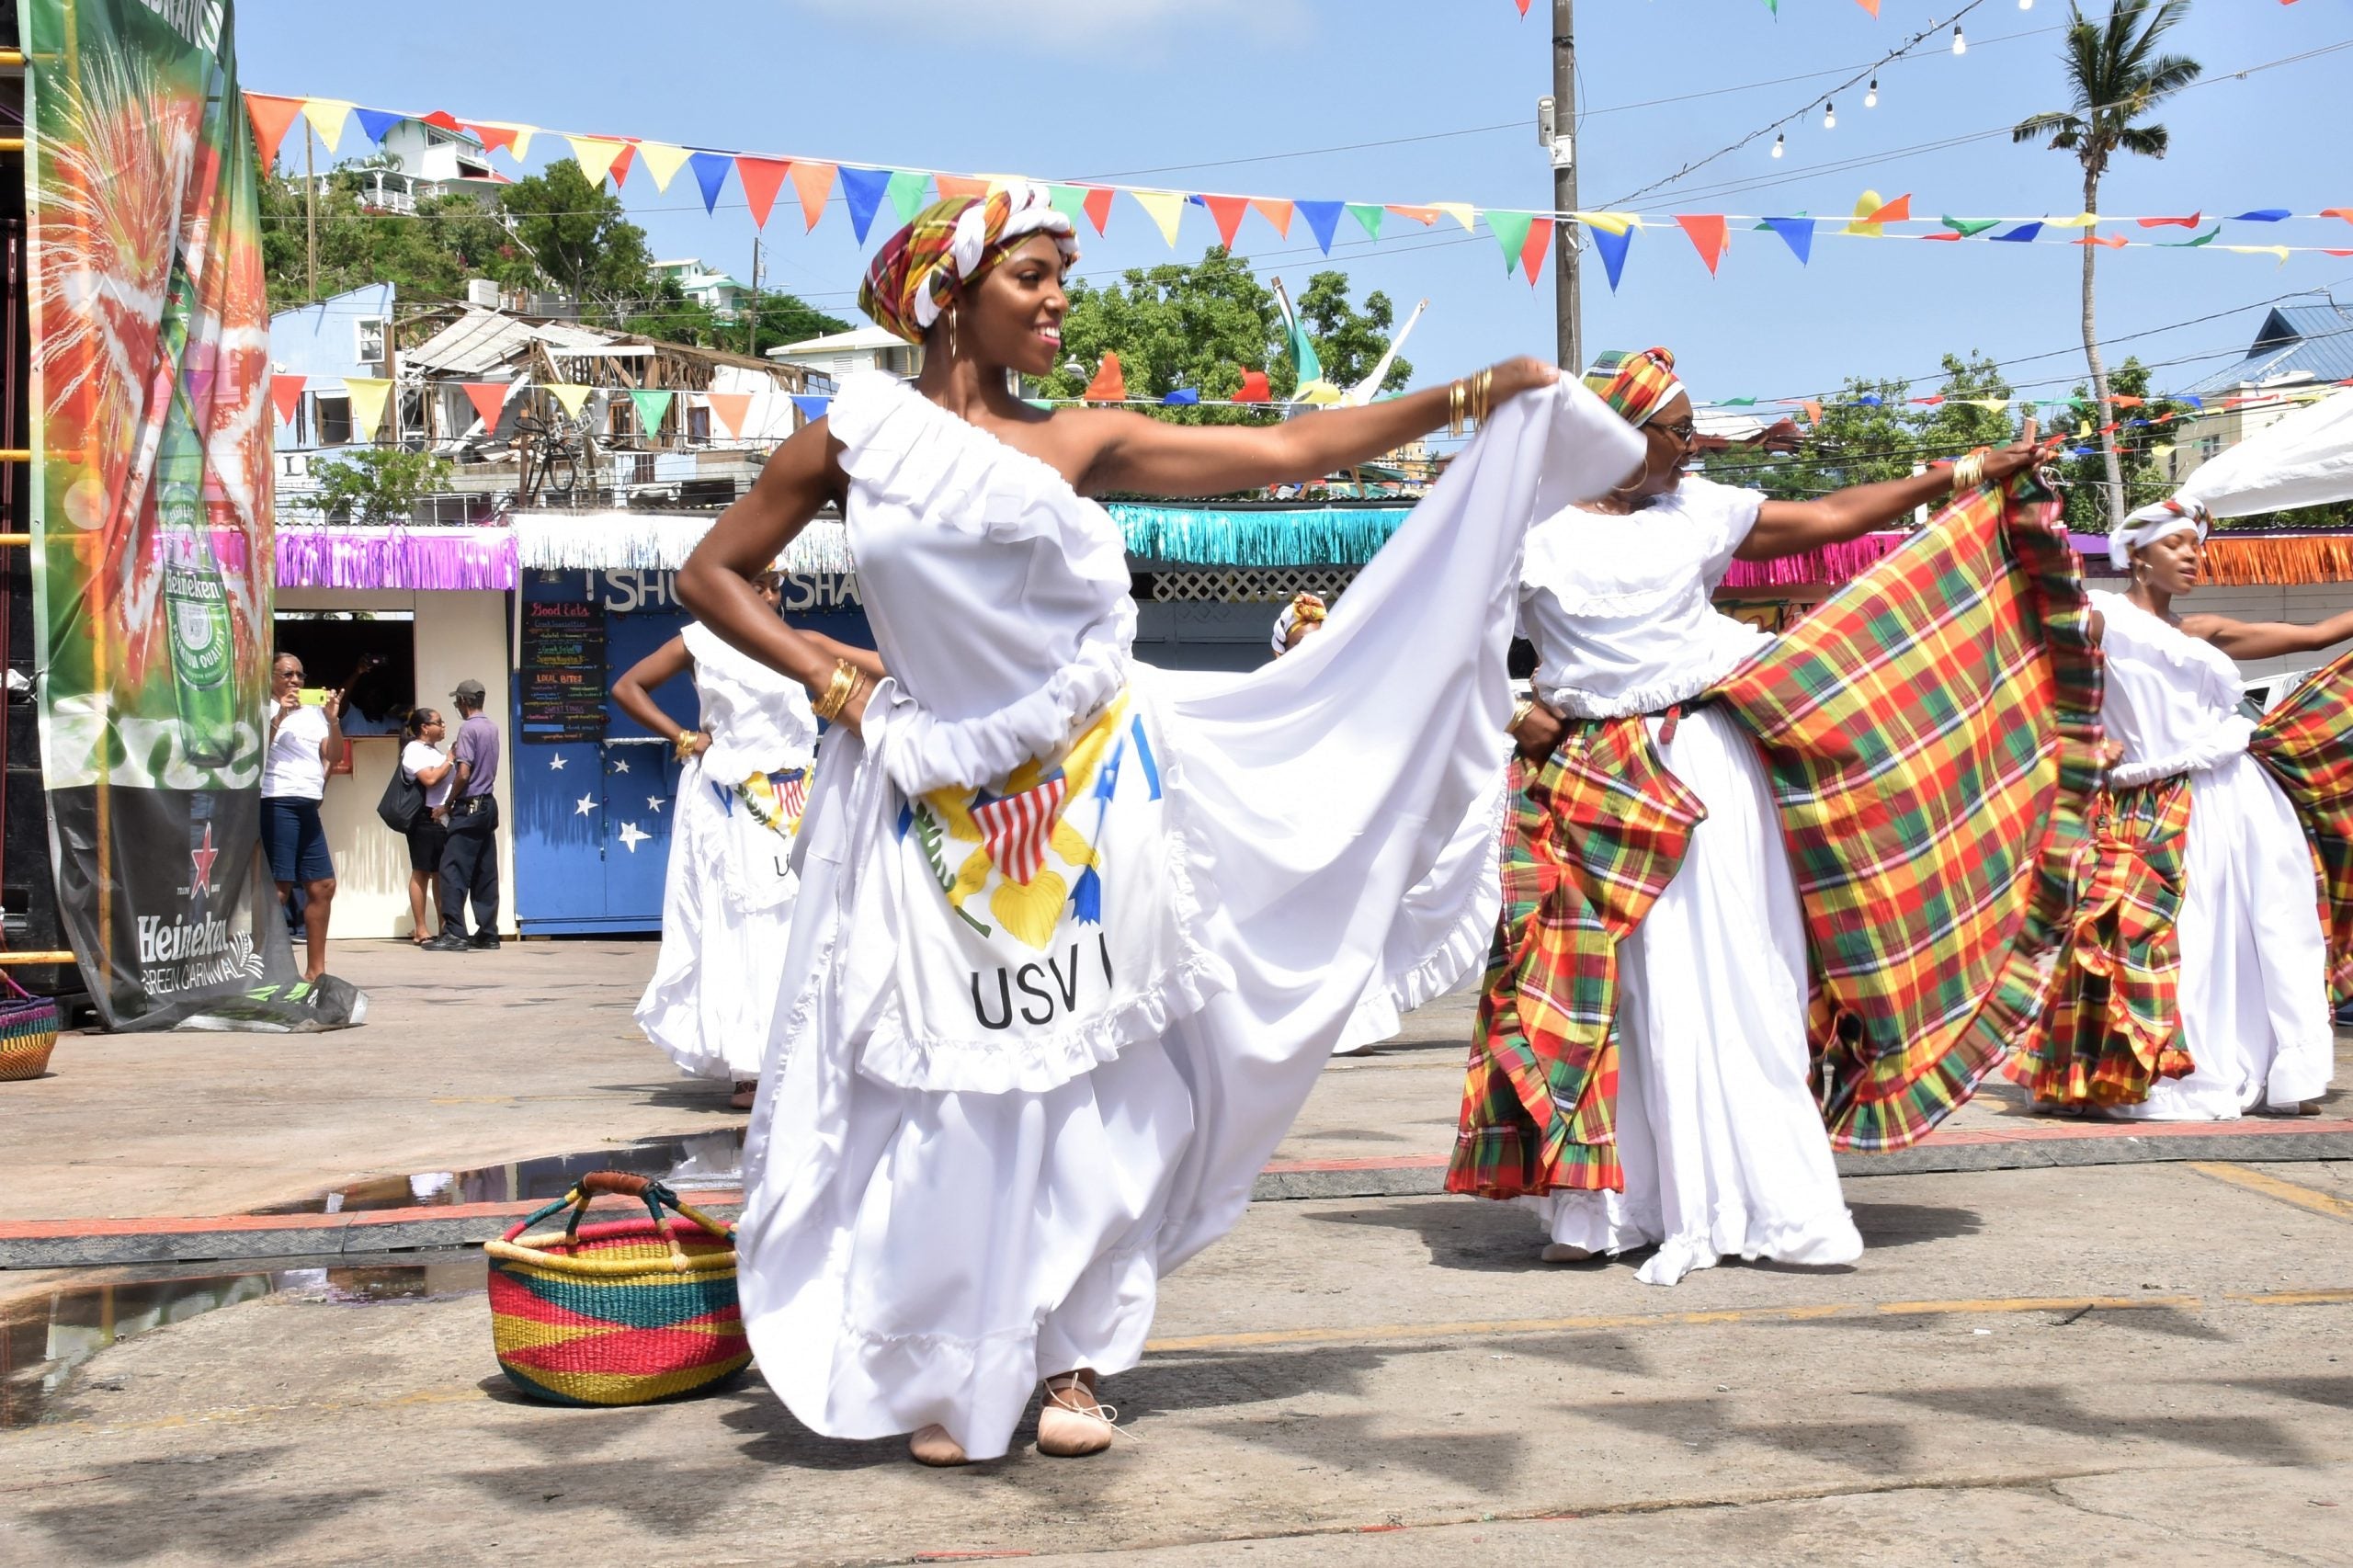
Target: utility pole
<point x="1568" y="236"/>
<point x="311" y="209"/>
<point x="752" y="338"/>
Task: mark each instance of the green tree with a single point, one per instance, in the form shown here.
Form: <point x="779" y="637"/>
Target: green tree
<point x="374" y="484"/>
<point x="2140" y="467"/>
<point x="1350" y="342"/>
<point x="429" y="254"/>
<point x="580" y="235"/>
<point x="2115" y="77"/>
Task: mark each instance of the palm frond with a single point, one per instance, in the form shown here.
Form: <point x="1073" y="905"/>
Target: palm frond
<point x="2063" y="129"/>
<point x="2147" y="140"/>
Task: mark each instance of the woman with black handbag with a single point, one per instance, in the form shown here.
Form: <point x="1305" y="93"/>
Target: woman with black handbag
<point x="419" y="793"/>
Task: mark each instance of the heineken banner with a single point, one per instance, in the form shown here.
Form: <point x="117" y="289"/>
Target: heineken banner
<point x="151" y="515"/>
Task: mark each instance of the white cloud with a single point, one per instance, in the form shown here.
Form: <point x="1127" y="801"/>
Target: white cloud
<point x="1076" y="23"/>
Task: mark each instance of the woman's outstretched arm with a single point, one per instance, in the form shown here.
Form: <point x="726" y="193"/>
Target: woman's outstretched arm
<point x="2267" y="639"/>
<point x="1791" y="527"/>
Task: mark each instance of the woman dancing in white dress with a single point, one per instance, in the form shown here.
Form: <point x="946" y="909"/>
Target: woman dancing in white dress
<point x="1075" y="935"/>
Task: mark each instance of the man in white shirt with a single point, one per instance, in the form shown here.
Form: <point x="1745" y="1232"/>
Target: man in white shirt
<point x="304" y="743"/>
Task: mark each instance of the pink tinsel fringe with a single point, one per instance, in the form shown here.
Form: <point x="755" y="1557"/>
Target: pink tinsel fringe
<point x="1832" y="564"/>
<point x="347" y="557"/>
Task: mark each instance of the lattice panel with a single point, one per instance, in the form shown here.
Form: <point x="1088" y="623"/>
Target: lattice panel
<point x="1265" y="585"/>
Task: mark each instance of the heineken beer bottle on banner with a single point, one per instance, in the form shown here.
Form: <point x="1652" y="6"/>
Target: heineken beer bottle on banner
<point x="199" y="631"/>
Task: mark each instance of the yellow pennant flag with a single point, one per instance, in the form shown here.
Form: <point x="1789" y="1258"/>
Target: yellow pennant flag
<point x="1461" y="213"/>
<point x="1167" y="210"/>
<point x="1865" y="205"/>
<point x="2279" y="251"/>
<point x="2080" y="221"/>
<point x="1610" y="222"/>
<point x="572" y="395"/>
<point x="327" y="116"/>
<point x="661" y="160"/>
<point x="1318" y="395"/>
<point x="595" y="154"/>
<point x="1989" y="404"/>
<point x="368" y="395"/>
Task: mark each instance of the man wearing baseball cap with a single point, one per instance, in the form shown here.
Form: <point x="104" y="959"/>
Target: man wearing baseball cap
<point x="469" y="864"/>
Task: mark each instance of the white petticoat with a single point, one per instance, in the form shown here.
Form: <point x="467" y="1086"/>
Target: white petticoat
<point x="1444" y="928"/>
<point x="2254" y="988"/>
<point x="1723" y="1148"/>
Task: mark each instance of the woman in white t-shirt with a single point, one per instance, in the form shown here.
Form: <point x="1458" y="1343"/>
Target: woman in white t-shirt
<point x="304" y="742"/>
<point x="423" y="760"/>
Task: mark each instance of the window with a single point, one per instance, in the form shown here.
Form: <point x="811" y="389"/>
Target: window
<point x="333" y="418"/>
<point x="373" y="650"/>
<point x="697" y="424"/>
<point x="620" y="418"/>
<point x="370" y="350"/>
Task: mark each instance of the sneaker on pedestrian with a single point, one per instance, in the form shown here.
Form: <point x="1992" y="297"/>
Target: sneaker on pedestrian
<point x="483" y="942"/>
<point x="446" y="942"/>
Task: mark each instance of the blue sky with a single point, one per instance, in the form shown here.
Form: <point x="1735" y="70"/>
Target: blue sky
<point x="1175" y="92"/>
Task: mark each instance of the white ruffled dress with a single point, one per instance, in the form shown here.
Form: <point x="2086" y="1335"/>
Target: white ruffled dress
<point x="990" y="1122"/>
<point x="2254" y="987"/>
<point x="728" y="893"/>
<point x="1723" y="1148"/>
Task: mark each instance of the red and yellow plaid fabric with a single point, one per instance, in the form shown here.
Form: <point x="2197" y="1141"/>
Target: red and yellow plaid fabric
<point x="1636" y="384"/>
<point x="2307" y="744"/>
<point x="1932" y="737"/>
<point x="2114" y="1028"/>
<point x="1595" y="835"/>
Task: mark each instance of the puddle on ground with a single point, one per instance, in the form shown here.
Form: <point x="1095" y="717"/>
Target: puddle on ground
<point x="701" y="1162"/>
<point x="46" y="1339"/>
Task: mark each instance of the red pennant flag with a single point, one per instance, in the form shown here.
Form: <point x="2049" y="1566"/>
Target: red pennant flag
<point x="1534" y="249"/>
<point x="443" y="118"/>
<point x="286" y="393"/>
<point x="1097" y="206"/>
<point x="1895" y="212"/>
<point x="1425" y="216"/>
<point x="493" y="137"/>
<point x="1813" y="410"/>
<point x="272" y="116"/>
<point x="489" y="398"/>
<point x="1110" y="385"/>
<point x="1227" y="210"/>
<point x="1929" y="401"/>
<point x="1523" y="7"/>
<point x="2344" y="212"/>
<point x="813" y="183"/>
<point x="2190" y="222"/>
<point x="2110" y="241"/>
<point x="1274" y="213"/>
<point x="762" y="179"/>
<point x="1708" y="236"/>
<point x="2337" y="253"/>
<point x="728" y="409"/>
<point x="1253" y="386"/>
<point x="621" y="161"/>
<point x="1870" y="5"/>
<point x="1944" y="236"/>
<point x="2121" y="400"/>
<point x="951" y="186"/>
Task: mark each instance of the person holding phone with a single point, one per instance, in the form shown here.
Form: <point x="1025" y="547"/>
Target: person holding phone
<point x="436" y="773"/>
<point x="304" y="743"/>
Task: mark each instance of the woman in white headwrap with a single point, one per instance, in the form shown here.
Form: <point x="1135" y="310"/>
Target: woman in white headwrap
<point x="2191" y="821"/>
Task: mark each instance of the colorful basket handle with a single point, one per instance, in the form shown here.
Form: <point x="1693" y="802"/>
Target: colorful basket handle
<point x="655" y="1196"/>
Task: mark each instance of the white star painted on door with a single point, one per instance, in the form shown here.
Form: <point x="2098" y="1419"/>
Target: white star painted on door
<point x="652" y="803"/>
<point x="556" y="762"/>
<point x="620" y="764"/>
<point x="588" y="804"/>
<point x="632" y="836"/>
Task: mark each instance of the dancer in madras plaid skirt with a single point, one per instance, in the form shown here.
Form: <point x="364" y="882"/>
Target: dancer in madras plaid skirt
<point x="1648" y="988"/>
<point x="743" y="777"/>
<point x="2233" y="1012"/>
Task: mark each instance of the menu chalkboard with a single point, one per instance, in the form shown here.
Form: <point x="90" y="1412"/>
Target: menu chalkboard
<point x="564" y="672"/>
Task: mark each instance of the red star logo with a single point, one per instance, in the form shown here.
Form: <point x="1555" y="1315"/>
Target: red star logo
<point x="202" y="858"/>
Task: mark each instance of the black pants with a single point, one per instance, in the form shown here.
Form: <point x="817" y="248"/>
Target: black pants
<point x="469" y="867"/>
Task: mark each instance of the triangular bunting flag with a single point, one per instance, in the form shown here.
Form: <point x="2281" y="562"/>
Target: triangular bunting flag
<point x="1322" y="220"/>
<point x="1798" y="233"/>
<point x="2279" y="251"/>
<point x="1254" y="388"/>
<point x="368" y="395"/>
<point x="489" y="398"/>
<point x="2262" y="215"/>
<point x="1274" y="213"/>
<point x="907" y="191"/>
<point x="2344" y="212"/>
<point x="1866" y="205"/>
<point x="2023" y="234"/>
<point x="1425" y="216"/>
<point x="2190" y="222"/>
<point x="1968" y="228"/>
<point x="1537" y="245"/>
<point x="1708" y="236"/>
<point x="622" y="162"/>
<point x="653" y="407"/>
<point x="1098" y="206"/>
<point x="863" y="190"/>
<point x="955" y="185"/>
<point x="1183" y="397"/>
<point x="2080" y="221"/>
<point x="1110" y="385"/>
<point x="1226" y="212"/>
<point x="1369" y="216"/>
<point x="813" y="183"/>
<point x="762" y="177"/>
<point x="2112" y="242"/>
<point x="1896" y="211"/>
<point x="514" y="140"/>
<point x="271" y="118"/>
<point x="661" y="160"/>
<point x="1510" y="229"/>
<point x="1812" y="407"/>
<point x="711" y="175"/>
<point x="1461" y="213"/>
<point x="729" y="409"/>
<point x="1067" y="200"/>
<point x="443" y="118"/>
<point x="595" y="155"/>
<point x="375" y="122"/>
<point x="286" y="396"/>
<point x="1167" y="210"/>
<point x="811" y="408"/>
<point x="1616" y="222"/>
<point x="572" y="395"/>
<point x="1611" y="244"/>
<point x="326" y="116"/>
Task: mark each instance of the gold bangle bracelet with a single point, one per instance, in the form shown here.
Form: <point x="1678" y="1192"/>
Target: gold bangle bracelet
<point x="837" y="691"/>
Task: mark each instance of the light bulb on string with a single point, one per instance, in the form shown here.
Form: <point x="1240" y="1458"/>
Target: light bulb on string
<point x="1829" y="115"/>
<point x="2026" y="4"/>
<point x="1960" y="44"/>
<point x="1779" y="142"/>
<point x="1871" y="99"/>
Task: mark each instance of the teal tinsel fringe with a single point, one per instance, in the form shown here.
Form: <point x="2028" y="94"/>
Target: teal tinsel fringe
<point x="1216" y="536"/>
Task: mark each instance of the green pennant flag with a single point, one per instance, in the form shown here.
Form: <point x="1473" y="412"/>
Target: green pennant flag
<point x="1969" y="227"/>
<point x="2205" y="239"/>
<point x="1070" y="201"/>
<point x="1511" y="233"/>
<point x="1370" y="216"/>
<point x="1739" y="402"/>
<point x="652" y="406"/>
<point x="907" y="193"/>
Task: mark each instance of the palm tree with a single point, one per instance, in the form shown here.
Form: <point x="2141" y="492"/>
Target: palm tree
<point x="2116" y="77"/>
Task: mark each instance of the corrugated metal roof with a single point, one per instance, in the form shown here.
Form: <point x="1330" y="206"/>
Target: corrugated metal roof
<point x="2314" y="341"/>
<point x="483" y="340"/>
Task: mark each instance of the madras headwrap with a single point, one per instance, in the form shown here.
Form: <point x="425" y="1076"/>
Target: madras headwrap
<point x="1636" y="385"/>
<point x="1307" y="608"/>
<point x="1596" y="834"/>
<point x="1932" y="735"/>
<point x="2306" y="743"/>
<point x="954" y="244"/>
<point x="2151" y="523"/>
<point x="2114" y="1028"/>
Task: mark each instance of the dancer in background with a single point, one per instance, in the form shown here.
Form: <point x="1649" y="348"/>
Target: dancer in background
<point x="743" y="782"/>
<point x="2198" y="987"/>
<point x="1075" y="935"/>
<point x="1697" y="1132"/>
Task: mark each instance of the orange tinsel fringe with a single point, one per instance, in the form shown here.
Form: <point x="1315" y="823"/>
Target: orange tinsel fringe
<point x="2279" y="561"/>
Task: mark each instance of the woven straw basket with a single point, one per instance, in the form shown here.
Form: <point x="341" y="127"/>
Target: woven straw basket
<point x="622" y="1311"/>
<point x="28" y="1031"/>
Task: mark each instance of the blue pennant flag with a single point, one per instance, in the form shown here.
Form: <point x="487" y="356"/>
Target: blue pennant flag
<point x="1798" y="231"/>
<point x="376" y="122"/>
<point x="864" y="189"/>
<point x="2262" y="215"/>
<point x="710" y="173"/>
<point x="1613" y="251"/>
<point x="812" y="407"/>
<point x="1183" y="397"/>
<point x="2022" y="235"/>
<point x="1870" y="400"/>
<point x="1323" y="219"/>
